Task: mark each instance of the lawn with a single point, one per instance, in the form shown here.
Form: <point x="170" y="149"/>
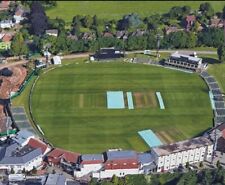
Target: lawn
<point x="116" y="9"/>
<point x="69" y="103"/>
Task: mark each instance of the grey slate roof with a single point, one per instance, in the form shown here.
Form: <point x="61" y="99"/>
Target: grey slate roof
<point x="145" y="158"/>
<point x="124" y="154"/>
<point x="22" y="136"/>
<point x="13" y="155"/>
<point x="56" y="179"/>
<point x="187" y="58"/>
<point x="91" y="157"/>
<point x="181" y="146"/>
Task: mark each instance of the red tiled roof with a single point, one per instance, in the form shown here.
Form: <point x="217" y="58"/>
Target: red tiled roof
<point x="7" y="38"/>
<point x="121" y="164"/>
<point x="58" y="153"/>
<point x="190" y="18"/>
<point x="19" y="12"/>
<point x="107" y="34"/>
<point x="221" y="127"/>
<point x="92" y="162"/>
<point x="38" y="144"/>
<point x="4" y="4"/>
<point x="223" y="134"/>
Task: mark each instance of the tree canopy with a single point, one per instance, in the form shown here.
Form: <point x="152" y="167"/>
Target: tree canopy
<point x="18" y="46"/>
<point x="38" y="19"/>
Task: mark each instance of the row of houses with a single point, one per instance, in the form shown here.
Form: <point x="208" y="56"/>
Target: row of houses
<point x="25" y="152"/>
<point x="127" y="162"/>
<point x="189" y="22"/>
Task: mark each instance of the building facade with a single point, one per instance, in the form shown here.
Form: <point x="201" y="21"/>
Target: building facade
<point x="168" y="157"/>
<point x="185" y="62"/>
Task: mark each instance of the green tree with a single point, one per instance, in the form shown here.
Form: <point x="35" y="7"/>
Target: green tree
<point x="61" y="45"/>
<point x="87" y="21"/>
<point x="154" y="180"/>
<point x="221" y="53"/>
<point x="12" y="171"/>
<point x="115" y="180"/>
<point x="218" y="163"/>
<point x="189" y="178"/>
<point x="58" y="24"/>
<point x="136" y="43"/>
<point x="201" y="164"/>
<point x="206" y="177"/>
<point x="196" y="26"/>
<point x="24" y="171"/>
<point x="187" y="165"/>
<point x="212" y="37"/>
<point x="177" y="39"/>
<point x="34" y="170"/>
<point x="206" y="9"/>
<point x="48" y="40"/>
<point x="191" y="40"/>
<point x="18" y="46"/>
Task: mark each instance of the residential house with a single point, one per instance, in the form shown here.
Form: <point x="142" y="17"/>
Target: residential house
<point x="172" y="29"/>
<point x="189" y="21"/>
<point x="88" y="36"/>
<point x="37" y="143"/>
<point x="4" y="5"/>
<point x="56" y="179"/>
<point x="119" y="163"/>
<point x="52" y="32"/>
<point x="22" y="137"/>
<point x="146" y="162"/>
<point x="19" y="15"/>
<point x="89" y="163"/>
<point x="168" y="157"/>
<point x="66" y="159"/>
<point x="13" y="156"/>
<point x="138" y="33"/>
<point x="72" y="37"/>
<point x="185" y="62"/>
<point x="107" y="34"/>
<point x="6" y="24"/>
<point x="216" y="22"/>
<point x="122" y="34"/>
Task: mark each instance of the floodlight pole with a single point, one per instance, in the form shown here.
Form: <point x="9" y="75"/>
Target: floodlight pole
<point x="158" y="45"/>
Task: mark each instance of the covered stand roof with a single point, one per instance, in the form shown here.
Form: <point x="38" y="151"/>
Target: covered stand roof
<point x="185" y="58"/>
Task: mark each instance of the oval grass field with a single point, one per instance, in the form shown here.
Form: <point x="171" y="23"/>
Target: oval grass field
<point x="69" y="103"/>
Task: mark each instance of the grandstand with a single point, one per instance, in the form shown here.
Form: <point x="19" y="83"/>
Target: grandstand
<point x="216" y="98"/>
